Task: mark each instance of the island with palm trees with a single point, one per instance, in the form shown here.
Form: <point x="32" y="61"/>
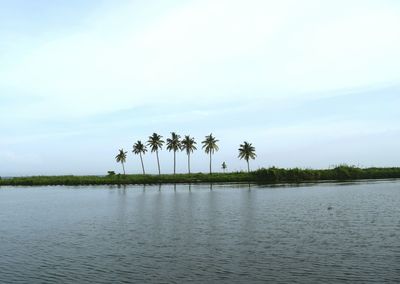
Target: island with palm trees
<point x="174" y="143"/>
<point x="187" y="144"/>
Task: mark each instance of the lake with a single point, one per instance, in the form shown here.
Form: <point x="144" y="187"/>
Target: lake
<point x="317" y="233"/>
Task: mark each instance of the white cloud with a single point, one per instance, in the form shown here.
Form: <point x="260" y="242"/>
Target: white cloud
<point x="212" y="49"/>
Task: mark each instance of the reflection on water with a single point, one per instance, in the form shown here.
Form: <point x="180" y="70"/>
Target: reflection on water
<point x="230" y="233"/>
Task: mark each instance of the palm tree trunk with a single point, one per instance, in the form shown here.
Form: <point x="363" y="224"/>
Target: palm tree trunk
<point x="141" y="159"/>
<point x="174" y="161"/>
<point x="123" y="167"/>
<point x="158" y="162"/>
<point x="248" y="167"/>
<point x="210" y="163"/>
<point x="189" y="163"/>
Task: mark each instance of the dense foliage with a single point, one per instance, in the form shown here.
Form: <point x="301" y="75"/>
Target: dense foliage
<point x="342" y="172"/>
<point x="270" y="175"/>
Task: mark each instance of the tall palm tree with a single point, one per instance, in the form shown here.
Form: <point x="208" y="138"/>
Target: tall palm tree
<point x="140" y="148"/>
<point x="155" y="143"/>
<point x="174" y="144"/>
<point x="121" y="158"/>
<point x="247" y="151"/>
<point x="210" y="146"/>
<point x="188" y="144"/>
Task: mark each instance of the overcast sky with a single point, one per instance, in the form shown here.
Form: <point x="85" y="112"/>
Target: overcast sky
<point x="309" y="83"/>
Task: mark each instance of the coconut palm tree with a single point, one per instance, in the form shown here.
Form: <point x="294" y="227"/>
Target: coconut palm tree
<point x="210" y="146"/>
<point x="223" y="166"/>
<point x="188" y="144"/>
<point x="140" y="148"/>
<point x="247" y="151"/>
<point x="174" y="144"/>
<point x="155" y="143"/>
<point x="121" y="158"/>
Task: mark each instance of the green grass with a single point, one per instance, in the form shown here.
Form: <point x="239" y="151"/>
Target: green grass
<point x="270" y="175"/>
<point x="128" y="179"/>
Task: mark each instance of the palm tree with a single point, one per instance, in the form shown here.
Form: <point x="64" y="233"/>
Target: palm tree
<point x="121" y="158"/>
<point x="155" y="143"/>
<point x="140" y="148"/>
<point x="174" y="144"/>
<point x="210" y="146"/>
<point x="247" y="151"/>
<point x="223" y="166"/>
<point x="188" y="145"/>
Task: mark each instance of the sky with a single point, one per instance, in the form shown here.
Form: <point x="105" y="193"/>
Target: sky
<point x="310" y="83"/>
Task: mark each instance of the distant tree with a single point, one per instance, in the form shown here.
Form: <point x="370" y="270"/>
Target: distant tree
<point x="247" y="151"/>
<point x="121" y="158"/>
<point x="223" y="166"/>
<point x="155" y="143"/>
<point x="210" y="146"/>
<point x="139" y="148"/>
<point x="174" y="144"/>
<point x="188" y="144"/>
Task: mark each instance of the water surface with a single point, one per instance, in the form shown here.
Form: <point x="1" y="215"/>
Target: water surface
<point x="176" y="234"/>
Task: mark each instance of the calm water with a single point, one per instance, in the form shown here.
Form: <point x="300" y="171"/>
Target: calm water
<point x="230" y="234"/>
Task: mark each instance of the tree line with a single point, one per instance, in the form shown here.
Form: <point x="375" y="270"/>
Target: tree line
<point x="188" y="144"/>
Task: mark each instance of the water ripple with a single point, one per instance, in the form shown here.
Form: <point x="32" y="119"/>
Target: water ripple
<point x="318" y="234"/>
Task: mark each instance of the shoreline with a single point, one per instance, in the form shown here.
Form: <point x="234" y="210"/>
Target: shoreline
<point x="262" y="176"/>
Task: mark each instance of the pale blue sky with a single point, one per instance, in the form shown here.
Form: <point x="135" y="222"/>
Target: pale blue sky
<point x="309" y="83"/>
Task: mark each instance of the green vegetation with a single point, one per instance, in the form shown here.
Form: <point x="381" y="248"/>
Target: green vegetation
<point x="155" y="143"/>
<point x="270" y="175"/>
<point x="127" y="179"/>
<point x="210" y="146"/>
<point x="339" y="173"/>
<point x="174" y="144"/>
<point x="247" y="151"/>
<point x="140" y="148"/>
<point x="121" y="158"/>
<point x="224" y="166"/>
<point x="188" y="144"/>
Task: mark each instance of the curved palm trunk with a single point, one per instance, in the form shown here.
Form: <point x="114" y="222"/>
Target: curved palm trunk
<point x="158" y="162"/>
<point x="123" y="167"/>
<point x="189" y="163"/>
<point x="141" y="159"/>
<point x="248" y="166"/>
<point x="210" y="163"/>
<point x="174" y="161"/>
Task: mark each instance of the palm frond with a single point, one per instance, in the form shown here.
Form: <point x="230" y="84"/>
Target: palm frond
<point x="155" y="142"/>
<point x="210" y="144"/>
<point x="188" y="144"/>
<point x="173" y="143"/>
<point x="247" y="151"/>
<point x="139" y="148"/>
<point x="121" y="157"/>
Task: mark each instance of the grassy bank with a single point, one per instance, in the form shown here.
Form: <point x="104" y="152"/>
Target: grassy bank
<point x="270" y="175"/>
